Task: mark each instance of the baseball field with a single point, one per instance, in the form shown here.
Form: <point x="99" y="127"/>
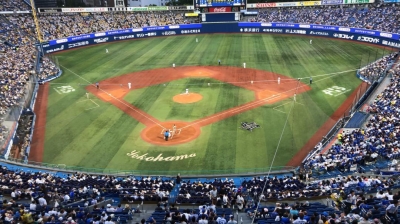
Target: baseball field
<point x="120" y="126"/>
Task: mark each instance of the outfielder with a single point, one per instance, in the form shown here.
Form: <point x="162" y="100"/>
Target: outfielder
<point x="87" y="95"/>
<point x="310" y="41"/>
<point x="106" y="50"/>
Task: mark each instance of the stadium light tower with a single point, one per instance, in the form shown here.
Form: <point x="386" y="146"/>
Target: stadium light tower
<point x="35" y="19"/>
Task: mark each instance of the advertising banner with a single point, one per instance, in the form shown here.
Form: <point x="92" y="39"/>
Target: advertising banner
<point x="49" y="10"/>
<point x="157" y="8"/>
<point x="265" y="5"/>
<point x="391" y="1"/>
<point x="191" y="14"/>
<point x="358" y="1"/>
<point x="219" y="9"/>
<point x="100" y="9"/>
<point x="373" y="37"/>
<point x="309" y="3"/>
<point x="177" y="8"/>
<point x="137" y="8"/>
<point x="331" y="2"/>
<point x="325" y="27"/>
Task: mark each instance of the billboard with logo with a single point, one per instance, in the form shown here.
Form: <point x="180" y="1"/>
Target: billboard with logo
<point x="353" y="34"/>
<point x="219" y="9"/>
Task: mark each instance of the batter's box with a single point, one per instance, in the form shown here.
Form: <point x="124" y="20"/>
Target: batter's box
<point x="93" y="105"/>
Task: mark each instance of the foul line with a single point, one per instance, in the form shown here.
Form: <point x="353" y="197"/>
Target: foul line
<point x="129" y="106"/>
<point x="262" y="101"/>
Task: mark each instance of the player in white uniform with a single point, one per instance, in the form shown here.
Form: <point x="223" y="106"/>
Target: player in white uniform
<point x="106" y="50"/>
<point x="187" y="91"/>
<point x="279" y="80"/>
<point x="310" y="41"/>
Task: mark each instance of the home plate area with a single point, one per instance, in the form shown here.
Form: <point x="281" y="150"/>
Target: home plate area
<point x="249" y="125"/>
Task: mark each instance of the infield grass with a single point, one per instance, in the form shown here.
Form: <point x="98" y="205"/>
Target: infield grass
<point x="100" y="138"/>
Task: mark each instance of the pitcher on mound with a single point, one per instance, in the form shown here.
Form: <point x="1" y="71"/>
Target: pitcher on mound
<point x="187" y="91"/>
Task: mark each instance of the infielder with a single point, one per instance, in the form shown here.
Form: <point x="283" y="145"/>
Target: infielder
<point x="173" y="65"/>
<point x="129" y="85"/>
<point x="279" y="80"/>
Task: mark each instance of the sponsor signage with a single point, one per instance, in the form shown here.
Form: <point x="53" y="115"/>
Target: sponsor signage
<point x="49" y="10"/>
<point x="157" y="8"/>
<point x="343" y="36"/>
<point x="309" y="3"/>
<point x="219" y="9"/>
<point x="191" y="14"/>
<point x="331" y="2"/>
<point x="374" y="37"/>
<point x="101" y="40"/>
<point x="13" y="12"/>
<point x="273" y="30"/>
<point x="391" y="43"/>
<point x="368" y="39"/>
<point x="286" y="4"/>
<point x="137" y="8"/>
<point x="265" y="5"/>
<point x="250" y="13"/>
<point x="168" y="33"/>
<point x="358" y="1"/>
<point x="391" y="1"/>
<point x="319" y="33"/>
<point x="177" y="7"/>
<point x="324" y="27"/>
<point x="100" y="9"/>
<point x="250" y="30"/>
<point x="124" y="37"/>
<point x="78" y="44"/>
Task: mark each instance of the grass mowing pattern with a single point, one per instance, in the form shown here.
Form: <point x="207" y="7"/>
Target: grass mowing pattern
<point x="102" y="137"/>
<point x="164" y="108"/>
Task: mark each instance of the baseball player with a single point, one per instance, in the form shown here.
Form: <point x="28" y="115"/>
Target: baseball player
<point x="106" y="51"/>
<point x="187" y="91"/>
<point x="87" y="95"/>
<point x="97" y="85"/>
<point x="279" y="80"/>
<point x="129" y="85"/>
<point x="310" y="41"/>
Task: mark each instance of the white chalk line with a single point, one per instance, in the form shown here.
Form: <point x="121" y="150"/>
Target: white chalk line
<point x="97" y="105"/>
<point x="266" y="99"/>
<point x="129" y="106"/>
<point x="341" y="93"/>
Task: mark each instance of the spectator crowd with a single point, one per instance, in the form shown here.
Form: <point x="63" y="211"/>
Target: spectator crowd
<point x="48" y="193"/>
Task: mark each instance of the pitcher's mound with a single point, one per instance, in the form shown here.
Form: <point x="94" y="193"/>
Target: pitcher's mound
<point x="187" y="98"/>
<point x="184" y="133"/>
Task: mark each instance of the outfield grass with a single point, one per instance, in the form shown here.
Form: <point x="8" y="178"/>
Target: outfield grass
<point x="102" y="137"/>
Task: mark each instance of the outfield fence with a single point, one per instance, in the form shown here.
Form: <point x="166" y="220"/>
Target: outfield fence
<point x="187" y="173"/>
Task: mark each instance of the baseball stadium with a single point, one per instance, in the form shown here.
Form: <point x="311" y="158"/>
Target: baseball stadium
<point x="208" y="112"/>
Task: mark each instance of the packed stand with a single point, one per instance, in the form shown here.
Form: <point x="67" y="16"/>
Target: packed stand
<point x="377" y="69"/>
<point x="56" y="26"/>
<point x="22" y="140"/>
<point x="14" y="5"/>
<point x="383" y="17"/>
<point x="46" y="197"/>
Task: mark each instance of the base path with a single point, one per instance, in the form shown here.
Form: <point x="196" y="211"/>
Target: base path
<point x="40" y="109"/>
<point x="265" y="85"/>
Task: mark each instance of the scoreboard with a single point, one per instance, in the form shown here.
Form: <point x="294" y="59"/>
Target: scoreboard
<point x="219" y="6"/>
